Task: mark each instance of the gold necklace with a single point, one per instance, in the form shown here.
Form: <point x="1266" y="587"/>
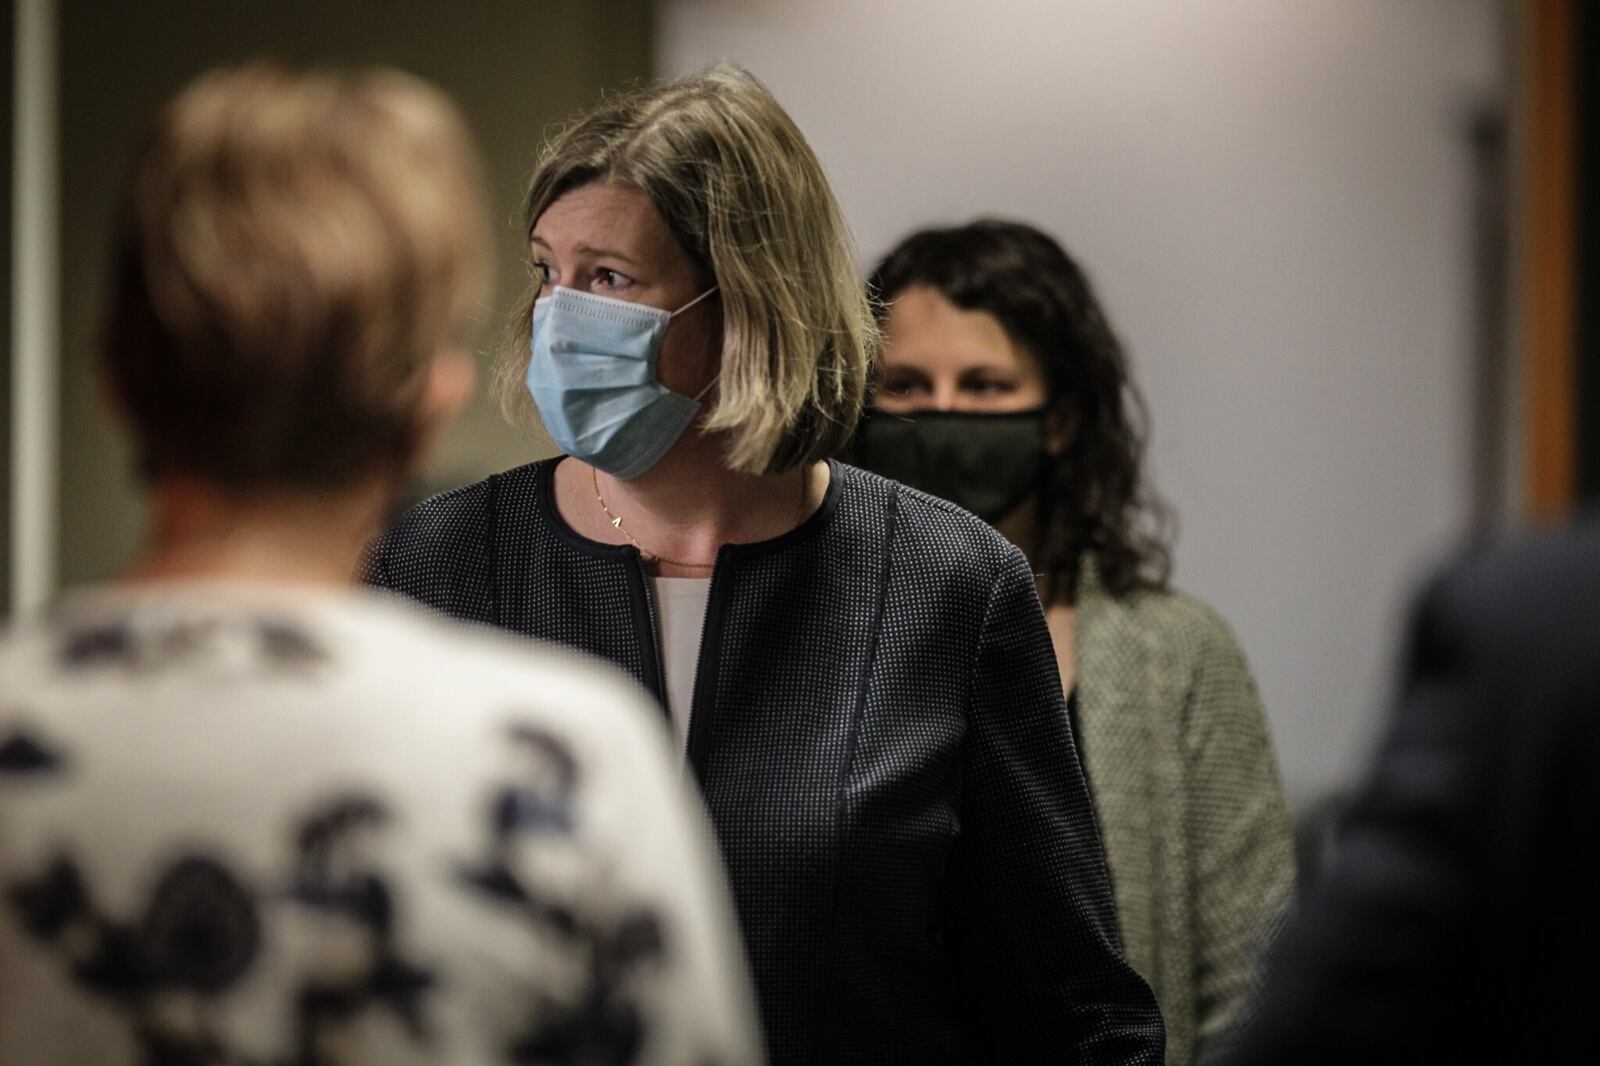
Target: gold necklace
<point x="616" y="524"/>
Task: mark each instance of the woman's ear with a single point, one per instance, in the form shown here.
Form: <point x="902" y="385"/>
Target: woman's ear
<point x="451" y="379"/>
<point x="1060" y="427"/>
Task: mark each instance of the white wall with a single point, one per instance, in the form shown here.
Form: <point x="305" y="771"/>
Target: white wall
<point x="1273" y="200"/>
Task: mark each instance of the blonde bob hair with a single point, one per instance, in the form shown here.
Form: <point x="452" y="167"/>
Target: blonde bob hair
<point x="741" y="190"/>
<point x="292" y="251"/>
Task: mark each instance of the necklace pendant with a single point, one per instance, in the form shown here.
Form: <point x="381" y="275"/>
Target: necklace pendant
<point x="616" y="523"/>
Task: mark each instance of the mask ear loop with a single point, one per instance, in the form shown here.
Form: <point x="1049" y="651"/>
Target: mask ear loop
<point x="696" y="300"/>
<point x="713" y="382"/>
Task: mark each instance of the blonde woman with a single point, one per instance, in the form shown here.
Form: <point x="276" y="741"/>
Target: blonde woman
<point x="250" y="814"/>
<point x="859" y="675"/>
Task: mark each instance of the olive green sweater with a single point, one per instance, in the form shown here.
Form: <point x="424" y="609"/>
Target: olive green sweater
<point x="1196" y="830"/>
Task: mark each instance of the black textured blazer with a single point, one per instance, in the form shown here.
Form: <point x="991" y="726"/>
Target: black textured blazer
<point x="880" y="735"/>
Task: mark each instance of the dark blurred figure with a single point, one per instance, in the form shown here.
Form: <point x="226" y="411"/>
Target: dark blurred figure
<point x="1457" y="921"/>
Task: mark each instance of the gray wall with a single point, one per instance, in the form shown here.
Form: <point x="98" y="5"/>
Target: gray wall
<point x="1273" y="199"/>
<point x="514" y="65"/>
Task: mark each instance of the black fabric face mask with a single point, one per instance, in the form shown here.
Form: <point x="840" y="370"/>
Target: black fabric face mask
<point x="987" y="463"/>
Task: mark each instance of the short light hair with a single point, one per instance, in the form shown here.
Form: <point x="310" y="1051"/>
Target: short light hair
<point x="293" y="249"/>
<point x="741" y="190"/>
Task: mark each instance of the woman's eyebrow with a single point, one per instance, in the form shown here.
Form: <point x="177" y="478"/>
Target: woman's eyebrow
<point x="587" y="250"/>
<point x="605" y="253"/>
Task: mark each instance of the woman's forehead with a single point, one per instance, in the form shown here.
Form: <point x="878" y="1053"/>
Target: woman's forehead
<point x="603" y="217"/>
<point x="925" y="329"/>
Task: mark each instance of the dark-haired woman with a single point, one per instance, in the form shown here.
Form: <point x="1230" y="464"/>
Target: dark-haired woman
<point x="1005" y="390"/>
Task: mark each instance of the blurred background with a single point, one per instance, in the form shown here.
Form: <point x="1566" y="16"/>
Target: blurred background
<point x="1342" y="239"/>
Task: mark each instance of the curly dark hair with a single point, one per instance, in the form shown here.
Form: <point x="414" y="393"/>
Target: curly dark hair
<point x="1095" y="504"/>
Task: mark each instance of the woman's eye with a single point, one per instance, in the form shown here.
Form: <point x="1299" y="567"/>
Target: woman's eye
<point x="607" y="278"/>
<point x="899" y="387"/>
<point x="989" y="388"/>
<point x="542" y="272"/>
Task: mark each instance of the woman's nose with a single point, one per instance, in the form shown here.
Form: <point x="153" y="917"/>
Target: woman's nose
<point x="945" y="396"/>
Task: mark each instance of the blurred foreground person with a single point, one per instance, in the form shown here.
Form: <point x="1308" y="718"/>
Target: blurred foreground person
<point x="860" y="675"/>
<point x="1004" y="390"/>
<point x="1457" y="921"/>
<point x="250" y="815"/>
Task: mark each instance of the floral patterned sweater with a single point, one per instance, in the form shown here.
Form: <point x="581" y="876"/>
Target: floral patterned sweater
<point x="240" y="826"/>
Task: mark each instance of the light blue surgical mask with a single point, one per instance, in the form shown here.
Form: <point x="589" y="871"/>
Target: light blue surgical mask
<point x="593" y="377"/>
